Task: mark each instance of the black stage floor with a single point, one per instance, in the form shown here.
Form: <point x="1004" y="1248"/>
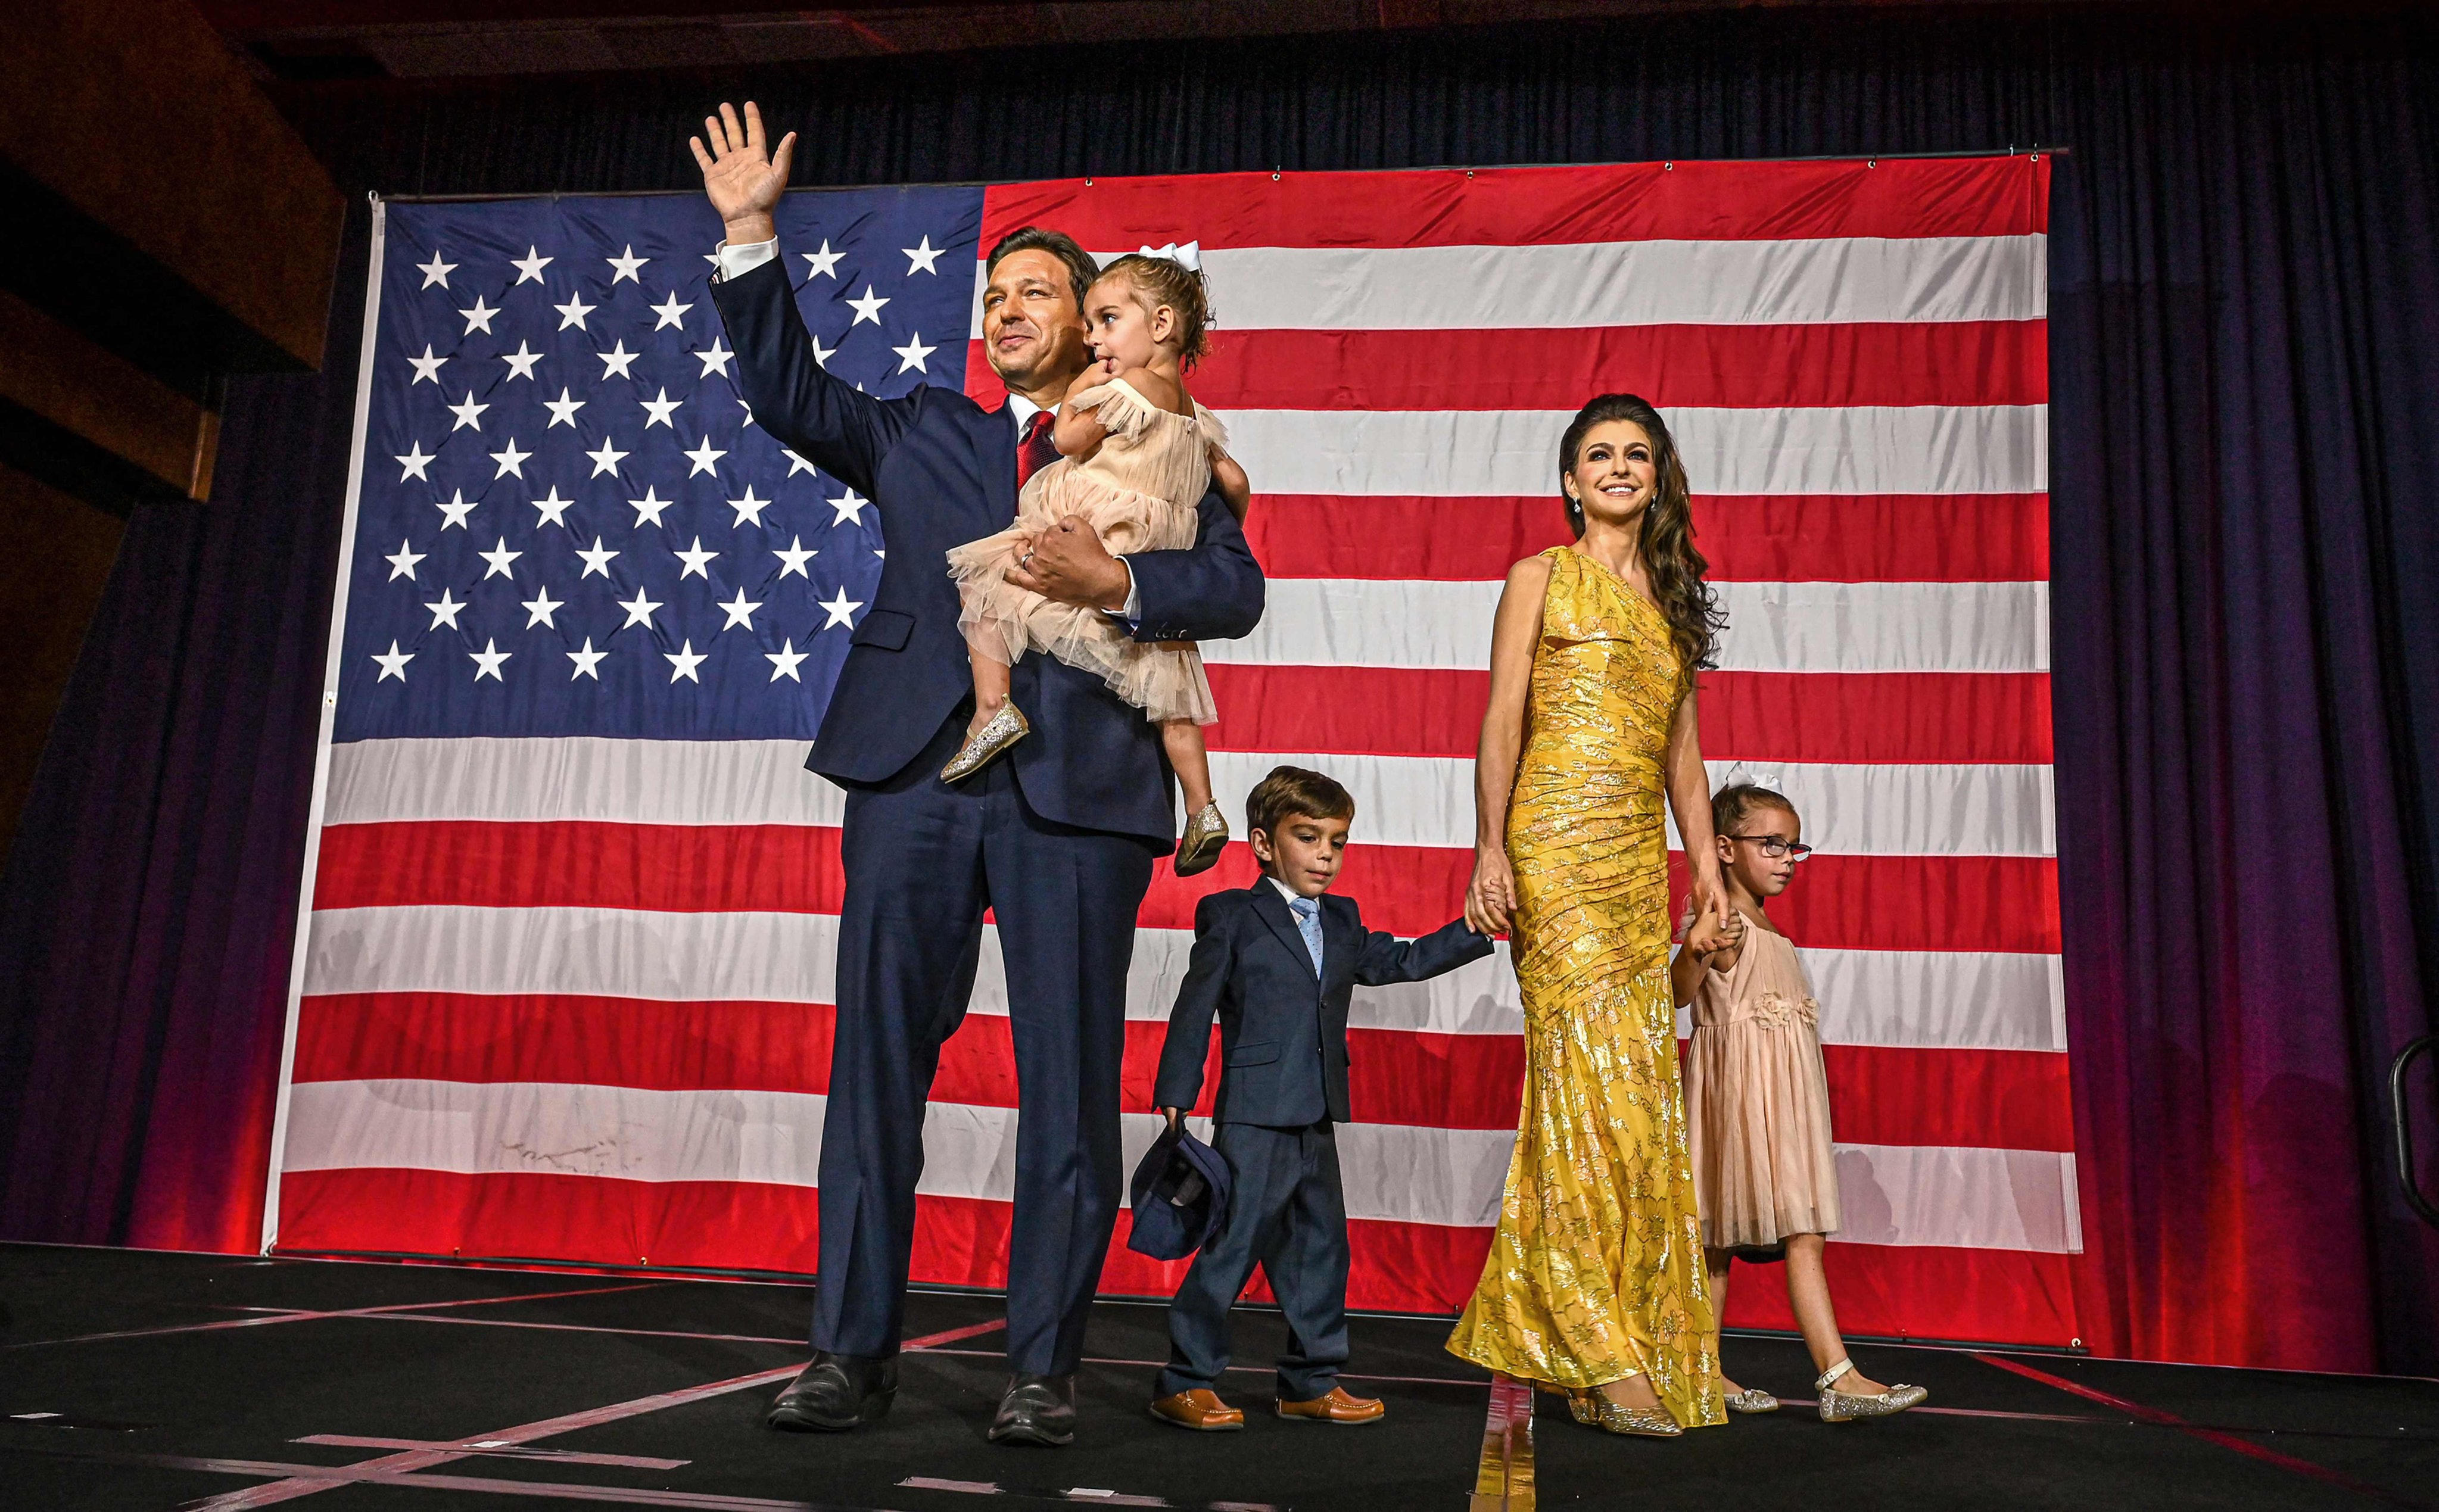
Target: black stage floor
<point x="140" y="1381"/>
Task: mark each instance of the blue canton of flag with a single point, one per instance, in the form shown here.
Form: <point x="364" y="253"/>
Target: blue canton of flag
<point x="568" y="522"/>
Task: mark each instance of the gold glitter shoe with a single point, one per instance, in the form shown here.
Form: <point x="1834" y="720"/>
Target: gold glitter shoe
<point x="986" y="745"/>
<point x="1838" y="1407"/>
<point x="1206" y="835"/>
<point x="1594" y="1409"/>
<point x="1752" y="1400"/>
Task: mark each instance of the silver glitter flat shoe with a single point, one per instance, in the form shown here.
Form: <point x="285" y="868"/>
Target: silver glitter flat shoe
<point x="1841" y="1407"/>
<point x="1752" y="1400"/>
<point x="1206" y="836"/>
<point x="988" y="744"/>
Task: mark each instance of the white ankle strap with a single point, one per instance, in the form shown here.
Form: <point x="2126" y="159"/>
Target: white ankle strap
<point x="1833" y="1375"/>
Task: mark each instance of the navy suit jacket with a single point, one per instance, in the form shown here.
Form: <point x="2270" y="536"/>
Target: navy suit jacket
<point x="1282" y="1028"/>
<point x="942" y="471"/>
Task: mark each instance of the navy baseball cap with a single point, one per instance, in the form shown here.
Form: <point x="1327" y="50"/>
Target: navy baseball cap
<point x="1179" y="1197"/>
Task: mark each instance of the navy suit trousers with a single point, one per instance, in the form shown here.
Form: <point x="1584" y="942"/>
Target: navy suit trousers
<point x="1288" y="1211"/>
<point x="923" y="860"/>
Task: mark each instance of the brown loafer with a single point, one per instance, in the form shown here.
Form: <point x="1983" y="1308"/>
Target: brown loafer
<point x="1200" y="1409"/>
<point x="1338" y="1407"/>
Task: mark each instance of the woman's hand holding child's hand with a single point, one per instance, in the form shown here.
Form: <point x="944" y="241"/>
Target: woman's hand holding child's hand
<point x="1732" y="934"/>
<point x="1490" y="897"/>
<point x="1713" y="930"/>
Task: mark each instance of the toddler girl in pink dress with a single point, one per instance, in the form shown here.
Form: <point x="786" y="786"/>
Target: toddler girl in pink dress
<point x="1136" y="455"/>
<point x="1757" y="1102"/>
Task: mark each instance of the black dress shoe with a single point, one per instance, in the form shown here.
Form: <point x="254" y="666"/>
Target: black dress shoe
<point x="1037" y="1410"/>
<point x="836" y="1393"/>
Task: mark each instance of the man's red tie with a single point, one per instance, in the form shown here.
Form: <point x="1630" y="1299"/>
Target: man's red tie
<point x="1036" y="450"/>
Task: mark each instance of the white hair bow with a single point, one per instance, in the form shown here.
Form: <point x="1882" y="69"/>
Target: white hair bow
<point x="1188" y="257"/>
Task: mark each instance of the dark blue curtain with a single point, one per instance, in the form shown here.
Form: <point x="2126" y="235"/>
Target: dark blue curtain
<point x="149" y="901"/>
<point x="2244" y="360"/>
<point x="2246" y="284"/>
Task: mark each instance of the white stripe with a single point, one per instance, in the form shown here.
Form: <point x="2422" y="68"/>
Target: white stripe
<point x="1849" y="809"/>
<point x="1982" y="1198"/>
<point x="1917" y="809"/>
<point x="576" y="951"/>
<point x="580" y="777"/>
<point x="1939" y="1000"/>
<point x="1943" y="1000"/>
<point x="1797" y="626"/>
<point x="1965" y="1197"/>
<point x="1846" y="448"/>
<point x="1623" y="283"/>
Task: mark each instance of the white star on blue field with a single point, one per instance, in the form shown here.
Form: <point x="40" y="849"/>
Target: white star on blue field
<point x="568" y="522"/>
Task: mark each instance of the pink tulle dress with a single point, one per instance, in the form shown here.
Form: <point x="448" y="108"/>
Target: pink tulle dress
<point x="1757" y="1101"/>
<point x="1139" y="491"/>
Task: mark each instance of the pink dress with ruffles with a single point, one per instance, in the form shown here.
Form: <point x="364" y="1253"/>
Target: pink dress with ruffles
<point x="1139" y="492"/>
<point x="1757" y="1101"/>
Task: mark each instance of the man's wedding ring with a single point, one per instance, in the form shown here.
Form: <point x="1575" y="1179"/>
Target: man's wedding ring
<point x="1025" y="563"/>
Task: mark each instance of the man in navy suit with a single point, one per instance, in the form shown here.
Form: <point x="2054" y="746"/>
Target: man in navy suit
<point x="1278" y="963"/>
<point x="1059" y="838"/>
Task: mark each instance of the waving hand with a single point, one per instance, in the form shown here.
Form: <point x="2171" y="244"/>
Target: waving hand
<point x="743" y="179"/>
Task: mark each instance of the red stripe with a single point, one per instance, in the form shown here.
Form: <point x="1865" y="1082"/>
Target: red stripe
<point x="1936" y="1294"/>
<point x="1877" y="716"/>
<point x="670" y="868"/>
<point x="1625" y="202"/>
<point x="655" y="1043"/>
<point x="1947" y="362"/>
<point x="564" y="1038"/>
<point x="1914" y="903"/>
<point x="1949" y="902"/>
<point x="1747" y="538"/>
<point x="1991" y="1098"/>
<point x="1860" y="717"/>
<point x="1844" y="902"/>
<point x="1921" y="1292"/>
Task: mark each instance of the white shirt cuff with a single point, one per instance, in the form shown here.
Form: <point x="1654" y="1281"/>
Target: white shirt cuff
<point x="738" y="261"/>
<point x="1132" y="610"/>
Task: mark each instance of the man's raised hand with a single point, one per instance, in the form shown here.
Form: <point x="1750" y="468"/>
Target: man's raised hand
<point x="743" y="179"/>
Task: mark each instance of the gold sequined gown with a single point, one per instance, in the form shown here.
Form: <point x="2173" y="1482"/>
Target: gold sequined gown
<point x="1597" y="1270"/>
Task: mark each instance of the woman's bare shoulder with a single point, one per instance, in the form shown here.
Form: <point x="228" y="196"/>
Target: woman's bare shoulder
<point x="1532" y="575"/>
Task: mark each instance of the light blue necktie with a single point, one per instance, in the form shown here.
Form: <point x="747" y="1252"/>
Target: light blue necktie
<point x="1308" y="918"/>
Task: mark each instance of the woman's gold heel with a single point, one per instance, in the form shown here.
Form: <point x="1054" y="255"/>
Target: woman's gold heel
<point x="1595" y="1408"/>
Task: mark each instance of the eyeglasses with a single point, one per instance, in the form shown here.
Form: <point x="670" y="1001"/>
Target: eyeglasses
<point x="1774" y="846"/>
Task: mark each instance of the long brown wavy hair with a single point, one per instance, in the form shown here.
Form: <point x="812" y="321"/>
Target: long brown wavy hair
<point x="1665" y="541"/>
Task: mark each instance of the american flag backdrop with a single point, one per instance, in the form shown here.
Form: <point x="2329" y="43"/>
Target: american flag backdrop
<point x="563" y="990"/>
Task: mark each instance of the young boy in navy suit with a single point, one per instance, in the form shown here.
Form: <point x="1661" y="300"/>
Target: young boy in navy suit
<point x="1278" y="963"/>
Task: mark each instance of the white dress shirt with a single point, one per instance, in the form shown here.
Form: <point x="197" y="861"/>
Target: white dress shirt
<point x="737" y="260"/>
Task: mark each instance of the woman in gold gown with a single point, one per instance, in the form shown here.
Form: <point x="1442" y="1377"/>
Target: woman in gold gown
<point x="1595" y="1284"/>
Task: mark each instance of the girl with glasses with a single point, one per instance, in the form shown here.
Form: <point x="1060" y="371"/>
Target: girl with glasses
<point x="1757" y="1101"/>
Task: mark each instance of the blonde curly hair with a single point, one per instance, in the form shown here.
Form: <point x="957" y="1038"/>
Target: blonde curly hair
<point x="1165" y="281"/>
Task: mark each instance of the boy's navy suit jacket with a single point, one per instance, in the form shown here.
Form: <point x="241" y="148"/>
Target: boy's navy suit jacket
<point x="942" y="471"/>
<point x="1282" y="1029"/>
